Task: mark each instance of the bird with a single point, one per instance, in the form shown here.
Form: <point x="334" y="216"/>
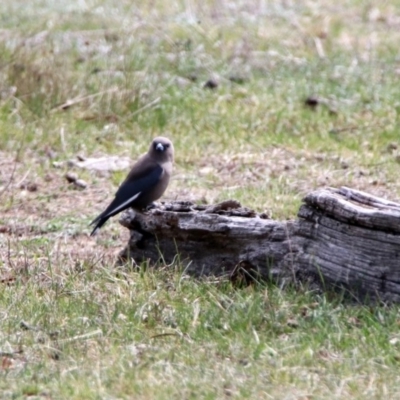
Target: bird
<point x="145" y="183"/>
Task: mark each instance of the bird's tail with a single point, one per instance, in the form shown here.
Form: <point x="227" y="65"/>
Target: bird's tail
<point x="99" y="221"/>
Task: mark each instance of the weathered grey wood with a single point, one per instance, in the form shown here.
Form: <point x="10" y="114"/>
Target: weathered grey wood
<point x="342" y="238"/>
<point x="223" y="239"/>
<point x="352" y="240"/>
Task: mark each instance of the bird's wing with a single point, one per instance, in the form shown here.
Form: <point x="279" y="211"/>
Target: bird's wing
<point x="134" y="185"/>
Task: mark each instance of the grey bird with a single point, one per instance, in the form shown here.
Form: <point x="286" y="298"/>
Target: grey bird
<point x="145" y="183"/>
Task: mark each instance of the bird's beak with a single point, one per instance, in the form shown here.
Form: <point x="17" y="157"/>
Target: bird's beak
<point x="159" y="147"/>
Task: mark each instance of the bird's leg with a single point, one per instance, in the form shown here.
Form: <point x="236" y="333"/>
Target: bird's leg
<point x="150" y="207"/>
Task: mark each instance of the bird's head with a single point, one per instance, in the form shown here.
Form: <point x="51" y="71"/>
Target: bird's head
<point x="162" y="148"/>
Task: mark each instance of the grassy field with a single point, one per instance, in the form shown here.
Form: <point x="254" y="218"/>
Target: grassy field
<point x="265" y="101"/>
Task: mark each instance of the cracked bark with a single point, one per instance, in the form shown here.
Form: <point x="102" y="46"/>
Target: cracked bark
<point x="342" y="238"/>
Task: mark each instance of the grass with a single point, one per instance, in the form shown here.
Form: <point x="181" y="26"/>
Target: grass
<point x="161" y="335"/>
<point x="95" y="78"/>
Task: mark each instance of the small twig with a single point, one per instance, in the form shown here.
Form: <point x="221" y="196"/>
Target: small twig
<point x="10" y="354"/>
<point x="77" y="100"/>
<point x="146" y="106"/>
<point x="23" y="178"/>
<point x="225" y="309"/>
<point x="28" y="327"/>
<point x="97" y="332"/>
<point x="166" y="334"/>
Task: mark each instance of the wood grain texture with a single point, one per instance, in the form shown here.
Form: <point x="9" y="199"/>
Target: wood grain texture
<point x="352" y="240"/>
<point x="342" y="238"/>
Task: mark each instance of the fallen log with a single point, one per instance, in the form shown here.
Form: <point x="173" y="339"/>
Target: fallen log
<point x="342" y="238"/>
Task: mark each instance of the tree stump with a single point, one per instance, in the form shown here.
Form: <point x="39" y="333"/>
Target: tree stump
<point x="342" y="238"/>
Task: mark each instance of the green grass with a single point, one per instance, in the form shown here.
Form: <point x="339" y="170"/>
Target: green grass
<point x="161" y="335"/>
<point x="104" y="77"/>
